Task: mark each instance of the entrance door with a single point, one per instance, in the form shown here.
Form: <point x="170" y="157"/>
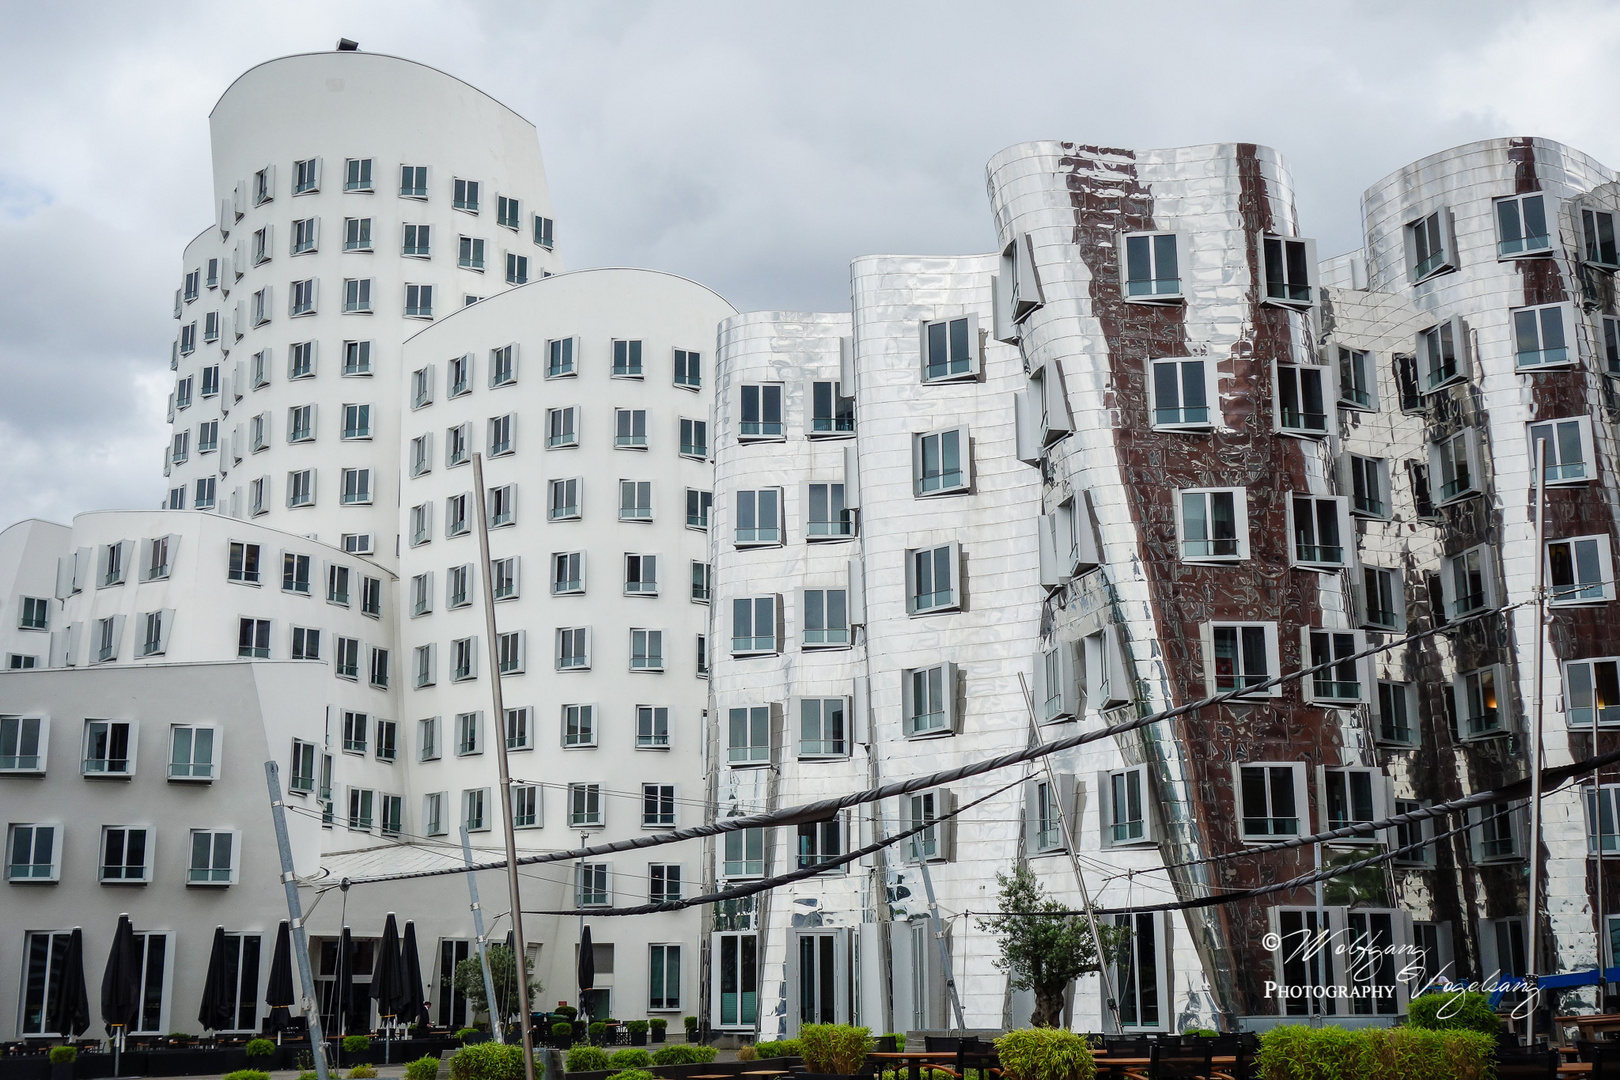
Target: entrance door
<point x="735" y="996"/>
<point x="820" y="985"/>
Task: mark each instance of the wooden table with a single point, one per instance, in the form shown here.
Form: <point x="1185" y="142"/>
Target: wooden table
<point x="915" y="1059"/>
<point x="1116" y="1066"/>
<point x="1601" y="1023"/>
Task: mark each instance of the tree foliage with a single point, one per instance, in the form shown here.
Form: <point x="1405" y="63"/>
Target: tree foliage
<point x="1042" y="948"/>
<point x="469" y="980"/>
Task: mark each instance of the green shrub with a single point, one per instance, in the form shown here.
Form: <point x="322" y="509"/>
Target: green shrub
<point x="354" y="1044"/>
<point x="247" y="1074"/>
<point x="690" y="1022"/>
<point x="684" y="1054"/>
<point x="309" y="1074"/>
<point x="633" y="1074"/>
<point x="359" y="1072"/>
<point x="834" y="1048"/>
<point x="566" y="1010"/>
<point x="1045" y="1054"/>
<point x="423" y="1068"/>
<point x="658" y="1023"/>
<point x="562" y="1029"/>
<point x="64" y="1055"/>
<point x="597" y="1030"/>
<point x="1460" y="1010"/>
<point x="899" y="1038"/>
<point x="487" y="1061"/>
<point x="782" y="1048"/>
<point x="584" y="1058"/>
<point x="1293" y="1052"/>
<point x="464" y="1034"/>
<point x="746" y="1053"/>
<point x="260" y="1048"/>
<point x="636" y="1027"/>
<point x="631" y="1057"/>
<point x="1205" y="1033"/>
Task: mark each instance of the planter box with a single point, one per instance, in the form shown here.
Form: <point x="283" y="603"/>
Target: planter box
<point x="66" y="1070"/>
<point x="657" y="1034"/>
<point x="637" y="1038"/>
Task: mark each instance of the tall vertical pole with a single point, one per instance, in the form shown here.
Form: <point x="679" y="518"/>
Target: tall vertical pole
<point x="937" y="929"/>
<point x="1071" y="838"/>
<point x="478" y="929"/>
<point x="295" y="919"/>
<point x="1602" y="922"/>
<point x="519" y="946"/>
<point x="1534" y="921"/>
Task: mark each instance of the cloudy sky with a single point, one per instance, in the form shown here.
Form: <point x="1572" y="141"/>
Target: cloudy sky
<point x="756" y="147"/>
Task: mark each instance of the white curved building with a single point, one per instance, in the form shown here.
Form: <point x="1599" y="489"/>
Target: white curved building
<point x="357" y="197"/>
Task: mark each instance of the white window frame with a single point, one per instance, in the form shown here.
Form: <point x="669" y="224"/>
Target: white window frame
<point x="1160" y="290"/>
<point x="946" y="338"/>
<point x="1300" y="422"/>
<point x="1185" y="417"/>
<point x="1557" y="434"/>
<point x="934" y="722"/>
<point x="1462" y="689"/>
<point x="1598" y="553"/>
<point x="1433" y="372"/>
<point x="1284" y="254"/>
<point x="1311" y="557"/>
<point x="1301" y="807"/>
<point x="1439" y="242"/>
<point x="212" y="870"/>
<point x="936" y="602"/>
<point x="926" y="486"/>
<point x="1240" y="518"/>
<point x="1526" y="245"/>
<point x="1555" y="340"/>
<point x="1273" y="659"/>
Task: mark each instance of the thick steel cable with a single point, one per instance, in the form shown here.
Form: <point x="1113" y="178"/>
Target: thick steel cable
<point x="825" y="808"/>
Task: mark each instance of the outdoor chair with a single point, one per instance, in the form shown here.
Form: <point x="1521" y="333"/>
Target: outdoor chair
<point x="1595" y="1053"/>
<point x="1520" y="1064"/>
<point x="1174" y="1061"/>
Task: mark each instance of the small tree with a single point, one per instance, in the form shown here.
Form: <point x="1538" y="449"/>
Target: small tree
<point x="1042" y="948"/>
<point x="469" y="980"/>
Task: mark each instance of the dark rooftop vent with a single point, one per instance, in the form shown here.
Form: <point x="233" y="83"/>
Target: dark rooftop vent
<point x="345" y="45"/>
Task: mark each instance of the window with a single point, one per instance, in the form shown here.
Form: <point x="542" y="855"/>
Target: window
<point x="564" y="500"/>
<point x="463" y="655"/>
<point x="543" y="231"/>
<point x="519" y="729"/>
<point x="36" y="610"/>
<point x="562" y="427"/>
<point x="1300" y="405"/>
<point x="950" y="349"/>
<point x="585" y="806"/>
<point x="460" y="375"/>
<point x="361" y="803"/>
<point x="456" y="449"/>
<point x="1413" y="837"/>
<point x="192" y="286"/>
<point x="754" y="625"/>
<point x="413" y="181"/>
<point x="559" y="357"/>
<point x="379" y="668"/>
<point x="356" y="358"/>
<point x="503" y="365"/>
<point x="123" y="856"/>
<point x="1469" y="581"/>
<point x="208" y="431"/>
<point x="698" y="505"/>
<point x="425" y="661"/>
<point x="474" y="803"/>
<point x="1044" y="813"/>
<point x="502" y="505"/>
<point x="1479" y="710"/>
<point x="828" y="518"/>
<point x="1539" y="336"/>
<point x="635" y="500"/>
<point x="191" y="752"/>
<point x="32" y="853"/>
<point x="574" y="648"/>
<point x="466" y="195"/>
<point x="503" y="575"/>
<point x="630" y="428"/>
<point x="1289" y="270"/>
<point x="1591" y="691"/>
<point x="20" y="662"/>
<point x="744" y="854"/>
<point x="210" y="333"/>
<point x="205" y="493"/>
<point x="1496" y="835"/>
<point x="22" y="744"/>
<point x="831" y="413"/>
<point x="1451" y="462"/>
<point x="1597" y="239"/>
<point x="301" y="777"/>
<point x="1137" y="972"/>
<point x="517" y="268"/>
<point x="695" y="439"/>
<point x="427" y="734"/>
<point x="1430" y="248"/>
<point x="1243" y="655"/>
<point x="1269" y="799"/>
<point x="641" y="574"/>
<point x="301" y="423"/>
<point x="181" y="449"/>
<point x="357" y="174"/>
<point x="306" y="643"/>
<point x="433" y="820"/>
<point x="578" y="725"/>
<point x="509" y="652"/>
<point x="418" y="241"/>
<point x="253" y="638"/>
<point x="1124" y="808"/>
<point x="929" y="705"/>
<point x="758" y="516"/>
<point x="927" y="808"/>
<point x="356" y="730"/>
<point x="301" y="298"/>
<point x="188" y="341"/>
<point x="749" y="735"/>
<point x="1569" y="448"/>
<point x="1580" y="570"/>
<point x="1396" y="713"/>
<point x="657" y="806"/>
<point x="357" y="421"/>
<point x="1180" y="394"/>
<point x="931" y="579"/>
<point x="1601" y="804"/>
<point x="591" y="885"/>
<point x="1521" y="227"/>
<point x="347" y="660"/>
<point x="1406" y="376"/>
<point x="525" y="806"/>
<point x="1442" y="355"/>
<point x="567" y="572"/>
<point x="356" y="237"/>
<point x="646" y="650"/>
<point x="337" y="584"/>
<point x="212" y="858"/>
<point x="456" y="520"/>
<point x="1319" y="524"/>
<point x="1214" y="524"/>
<point x="820" y="842"/>
<point x="1369" y="486"/>
<point x="761" y="415"/>
<point x="470" y="253"/>
<point x="1341" y="681"/>
<point x="257" y="493"/>
<point x="627" y="359"/>
<point x="295" y="574"/>
<point x="1151" y="268"/>
<point x="506" y="212"/>
<point x="419" y="301"/>
<point x="940" y="462"/>
<point x="1383" y="599"/>
<point x="304" y="233"/>
<point x="155" y="641"/>
<point x="826" y="618"/>
<point x="468" y="739"/>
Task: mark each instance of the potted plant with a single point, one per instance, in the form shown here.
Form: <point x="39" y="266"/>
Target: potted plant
<point x="62" y="1059"/>
<point x="562" y="1033"/>
<point x="691" y="1023"/>
<point x="835" y="1049"/>
<point x="261" y="1053"/>
<point x="638" y="1032"/>
<point x="357" y="1049"/>
<point x="1045" y="1054"/>
<point x="598" y="1032"/>
<point x="658" y="1024"/>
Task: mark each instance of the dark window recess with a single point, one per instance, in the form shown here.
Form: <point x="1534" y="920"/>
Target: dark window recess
<point x="1421" y="503"/>
<point x="1406" y="375"/>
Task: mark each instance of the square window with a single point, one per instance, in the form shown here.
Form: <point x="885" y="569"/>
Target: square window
<point x="1469" y="581"/>
<point x="635" y="500"/>
<point x="357" y="174"/>
<point x="517" y="269"/>
<point x="820" y="843"/>
<point x="108" y="748"/>
<point x="630" y="429"/>
<point x="356" y="237"/>
<point x="1541" y="336"/>
<point x="1569" y="449"/>
<point x="748" y="731"/>
<point x="1452" y="471"/>
<point x="761" y="412"/>
<point x="1151" y="268"/>
<point x="831" y="413"/>
<point x="688" y="369"/>
<point x="193" y="752"/>
<point x="1521" y="226"/>
<point x="22" y="743"/>
<point x="1341" y="680"/>
<point x="1480" y="711"/>
<point x="578" y="725"/>
<point x="627" y="359"/>
<point x="463" y="659"/>
<point x="1289" y="270"/>
<point x="1319" y="525"/>
<point x="574" y="648"/>
<point x="941" y="462"/>
<point x="929" y="700"/>
<point x="695" y="439"/>
<point x="1442" y="352"/>
<point x="1430" y="246"/>
<point x="641" y="575"/>
<point x="826" y="618"/>
<point x="212" y="858"/>
<point x="413" y="181"/>
<point x="1369" y="486"/>
<point x="931" y="579"/>
<point x="652" y="731"/>
<point x="950" y="349"/>
<point x="744" y="854"/>
<point x="1580" y="570"/>
<point x="419" y="301"/>
<point x="1591" y="695"/>
<point x="1301" y="407"/>
<point x="560" y="357"/>
<point x="1180" y="393"/>
<point x="754" y="625"/>
<point x="563" y="501"/>
<point x="585" y="806"/>
<point x="465" y="195"/>
<point x="1214" y="525"/>
<point x="32" y="853"/>
<point x="823" y="727"/>
<point x="759" y="519"/>
<point x="1243" y="656"/>
<point x="1352" y="797"/>
<point x="562" y="427"/>
<point x="1270" y="797"/>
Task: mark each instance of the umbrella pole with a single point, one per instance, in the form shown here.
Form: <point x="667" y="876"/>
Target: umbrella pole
<point x="118" y="1044"/>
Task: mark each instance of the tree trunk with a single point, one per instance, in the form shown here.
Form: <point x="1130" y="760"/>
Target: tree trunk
<point x="1048" y="1007"/>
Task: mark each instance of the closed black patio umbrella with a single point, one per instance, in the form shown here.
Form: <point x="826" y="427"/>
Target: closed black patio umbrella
<point x="70" y="1008"/>
<point x="278" y="990"/>
<point x="121" y="986"/>
<point x="388" y="982"/>
<point x="218" y="1009"/>
<point x="415" y="1010"/>
<point x="343" y="983"/>
<point x="587" y="972"/>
